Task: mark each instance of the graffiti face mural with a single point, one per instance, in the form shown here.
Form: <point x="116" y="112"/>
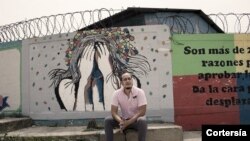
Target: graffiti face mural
<point x="66" y="76"/>
<point x="95" y="59"/>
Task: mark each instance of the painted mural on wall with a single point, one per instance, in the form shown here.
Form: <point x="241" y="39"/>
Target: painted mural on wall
<point x="208" y="84"/>
<point x="79" y="72"/>
<point x="215" y="79"/>
<point x="98" y="56"/>
<point x="10" y="96"/>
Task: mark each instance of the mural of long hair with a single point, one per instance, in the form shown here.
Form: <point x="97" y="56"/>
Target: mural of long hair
<point x="92" y="44"/>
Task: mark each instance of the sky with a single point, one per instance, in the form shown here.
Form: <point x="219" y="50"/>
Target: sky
<point x="12" y="11"/>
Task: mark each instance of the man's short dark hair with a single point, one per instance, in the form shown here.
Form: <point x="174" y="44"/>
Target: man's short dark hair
<point x="123" y="72"/>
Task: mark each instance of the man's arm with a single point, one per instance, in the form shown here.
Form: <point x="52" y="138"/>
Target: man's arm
<point x="141" y="112"/>
<point x="114" y="112"/>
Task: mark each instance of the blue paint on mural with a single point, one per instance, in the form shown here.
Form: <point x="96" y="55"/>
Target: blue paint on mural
<point x="3" y="102"/>
<point x="245" y="99"/>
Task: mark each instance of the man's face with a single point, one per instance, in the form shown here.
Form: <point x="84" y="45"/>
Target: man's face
<point x="127" y="81"/>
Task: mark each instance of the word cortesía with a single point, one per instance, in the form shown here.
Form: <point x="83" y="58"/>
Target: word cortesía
<point x="240" y="132"/>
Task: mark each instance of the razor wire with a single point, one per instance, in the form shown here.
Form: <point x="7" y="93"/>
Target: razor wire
<point x="53" y="24"/>
<point x="231" y="22"/>
<point x="70" y="22"/>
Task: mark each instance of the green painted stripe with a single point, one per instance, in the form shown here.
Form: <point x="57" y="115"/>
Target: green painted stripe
<point x="9" y="45"/>
<point x="189" y="52"/>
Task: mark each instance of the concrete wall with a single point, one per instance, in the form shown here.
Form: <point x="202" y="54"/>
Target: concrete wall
<point x="43" y="58"/>
<point x="10" y="59"/>
<point x="187" y="78"/>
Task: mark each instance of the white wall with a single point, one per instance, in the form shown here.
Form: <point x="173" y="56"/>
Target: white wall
<point x="10" y="79"/>
<point x="41" y="55"/>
